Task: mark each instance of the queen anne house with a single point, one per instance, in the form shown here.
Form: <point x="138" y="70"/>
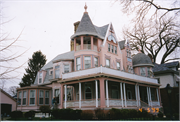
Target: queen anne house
<point x="98" y="72"/>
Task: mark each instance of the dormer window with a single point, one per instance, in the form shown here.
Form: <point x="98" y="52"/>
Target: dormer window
<point x="40" y="77"/>
<point x="57" y="71"/>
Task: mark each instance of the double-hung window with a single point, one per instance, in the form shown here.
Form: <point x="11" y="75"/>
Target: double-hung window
<point x="47" y="97"/>
<point x="107" y="63"/>
<point x="95" y="61"/>
<point x="78" y="63"/>
<point x="115" y="49"/>
<point x="24" y="97"/>
<point x="142" y="71"/>
<point x="57" y="71"/>
<point x="118" y="65"/>
<point x="112" y="48"/>
<point x="87" y="61"/>
<point x="66" y="68"/>
<point x="109" y="47"/>
<point x="88" y="91"/>
<point x="40" y="77"/>
<point x="57" y="95"/>
<point x="19" y="98"/>
<point x="115" y="92"/>
<point x="41" y="95"/>
<point x="32" y="97"/>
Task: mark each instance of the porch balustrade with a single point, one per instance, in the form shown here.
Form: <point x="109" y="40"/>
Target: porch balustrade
<point x="86" y="47"/>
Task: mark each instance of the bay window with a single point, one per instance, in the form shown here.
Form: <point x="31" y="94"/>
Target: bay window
<point x="24" y="97"/>
<point x="87" y="61"/>
<point x="78" y="63"/>
<point x="32" y="97"/>
<point x="107" y="63"/>
<point x="57" y="71"/>
<point x="95" y="61"/>
<point x="149" y="71"/>
<point x="66" y="68"/>
<point x="41" y="95"/>
<point x="47" y="97"/>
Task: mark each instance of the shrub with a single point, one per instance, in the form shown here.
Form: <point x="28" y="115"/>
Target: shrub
<point x="66" y="114"/>
<point x="100" y="114"/>
<point x="45" y="108"/>
<point x="30" y="113"/>
<point x="75" y="114"/>
<point x="87" y="115"/>
<point x="132" y="113"/>
<point x="168" y="115"/>
<point x="176" y="115"/>
<point x="160" y="115"/>
<point x="55" y="113"/>
<point x="16" y="114"/>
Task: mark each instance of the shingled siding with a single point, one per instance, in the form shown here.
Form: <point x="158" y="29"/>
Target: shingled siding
<point x="155" y="103"/>
<point x="115" y="102"/>
<point x="131" y="103"/>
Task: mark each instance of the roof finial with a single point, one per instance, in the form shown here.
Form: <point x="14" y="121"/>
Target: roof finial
<point x="85" y="7"/>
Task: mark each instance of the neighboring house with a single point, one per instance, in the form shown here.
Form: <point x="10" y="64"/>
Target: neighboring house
<point x="8" y="103"/>
<point x="91" y="75"/>
<point x="167" y="73"/>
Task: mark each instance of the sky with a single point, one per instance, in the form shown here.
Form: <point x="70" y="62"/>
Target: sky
<point x="48" y="26"/>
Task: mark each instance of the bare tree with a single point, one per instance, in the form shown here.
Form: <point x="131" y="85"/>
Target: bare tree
<point x="12" y="90"/>
<point x="155" y="30"/>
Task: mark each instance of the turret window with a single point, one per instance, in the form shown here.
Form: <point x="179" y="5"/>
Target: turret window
<point x="96" y="62"/>
<point x="57" y="71"/>
<point x="78" y="63"/>
<point x="87" y="61"/>
<point x="142" y="71"/>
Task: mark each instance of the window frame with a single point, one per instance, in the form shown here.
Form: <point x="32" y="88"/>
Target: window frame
<point x="65" y="71"/>
<point x="115" y="49"/>
<point x="144" y="71"/>
<point x="109" y="47"/>
<point x="78" y="65"/>
<point x="41" y="97"/>
<point x="46" y="98"/>
<point x="117" y="65"/>
<point x="24" y="97"/>
<point x="57" y="71"/>
<point x="96" y="65"/>
<point x="116" y="91"/>
<point x="32" y="97"/>
<point x="112" y="48"/>
<point x="106" y="62"/>
<point x="40" y="77"/>
<point x="19" y="98"/>
<point x="85" y="62"/>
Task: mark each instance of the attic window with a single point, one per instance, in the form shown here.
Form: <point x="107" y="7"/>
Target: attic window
<point x="40" y="77"/>
<point x="50" y="72"/>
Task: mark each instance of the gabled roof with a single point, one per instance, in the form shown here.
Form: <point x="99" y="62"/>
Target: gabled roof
<point x="121" y="44"/>
<point x="86" y="27"/>
<point x="165" y="67"/>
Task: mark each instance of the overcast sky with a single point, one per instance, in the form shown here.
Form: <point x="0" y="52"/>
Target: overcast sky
<point x="48" y="25"/>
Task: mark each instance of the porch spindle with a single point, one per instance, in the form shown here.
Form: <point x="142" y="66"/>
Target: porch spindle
<point x="136" y="94"/>
<point x="79" y="95"/>
<point x="107" y="96"/>
<point x="124" y="95"/>
<point x="148" y="96"/>
<point x="65" y="96"/>
<point x="157" y="96"/>
<point x="96" y="93"/>
<point x="121" y="94"/>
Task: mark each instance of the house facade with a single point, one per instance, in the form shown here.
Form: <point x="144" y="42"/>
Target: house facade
<point x="98" y="72"/>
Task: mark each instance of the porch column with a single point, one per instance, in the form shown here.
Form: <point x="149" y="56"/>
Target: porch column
<point x="62" y="95"/>
<point x="124" y="95"/>
<point x="65" y="96"/>
<point x="92" y="43"/>
<point x="136" y="94"/>
<point x="121" y="94"/>
<point x="107" y="95"/>
<point x="102" y="94"/>
<point x="96" y="93"/>
<point x="79" y="95"/>
<point x="82" y="43"/>
<point x="74" y="44"/>
<point x="150" y="96"/>
<point x="157" y="96"/>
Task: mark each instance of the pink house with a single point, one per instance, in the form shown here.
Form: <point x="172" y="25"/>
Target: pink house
<point x="98" y="72"/>
<point x="8" y="103"/>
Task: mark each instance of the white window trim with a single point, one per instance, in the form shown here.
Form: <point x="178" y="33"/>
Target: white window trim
<point x="88" y="63"/>
<point x="39" y="77"/>
<point x="30" y="98"/>
<point x="78" y="64"/>
<point x="46" y="97"/>
<point x="41" y="97"/>
<point x="23" y="98"/>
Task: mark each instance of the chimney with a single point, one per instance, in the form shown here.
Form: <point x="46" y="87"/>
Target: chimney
<point x="76" y="26"/>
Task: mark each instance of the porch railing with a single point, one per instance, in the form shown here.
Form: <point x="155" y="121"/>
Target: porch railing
<point x="86" y="46"/>
<point x="112" y="72"/>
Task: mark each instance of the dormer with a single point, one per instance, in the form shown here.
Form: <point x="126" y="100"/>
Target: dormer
<point x="41" y="76"/>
